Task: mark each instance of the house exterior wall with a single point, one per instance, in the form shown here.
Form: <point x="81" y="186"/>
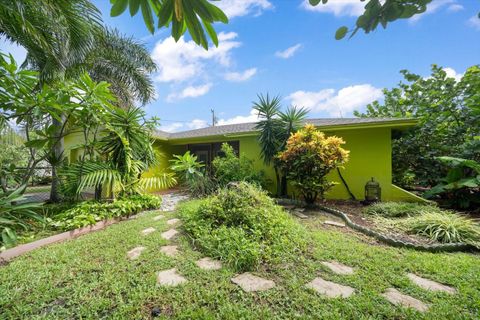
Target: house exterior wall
<point x="370" y="156"/>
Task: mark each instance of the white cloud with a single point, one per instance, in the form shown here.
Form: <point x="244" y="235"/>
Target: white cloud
<point x="474" y="22"/>
<point x="435" y="6"/>
<point x="455" y="7"/>
<point x="453" y="74"/>
<point x="238" y="8"/>
<point x="190" y="92"/>
<point x="289" y="52"/>
<point x="172" y="127"/>
<point x="336" y="103"/>
<point x="183" y="60"/>
<point x="252" y="117"/>
<point x="339" y="8"/>
<point x="182" y="126"/>
<point x="241" y="76"/>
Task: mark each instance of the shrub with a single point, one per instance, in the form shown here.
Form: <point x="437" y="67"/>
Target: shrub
<point x="445" y="227"/>
<point x="242" y="226"/>
<point x="231" y="167"/>
<point x="399" y="209"/>
<point x="14" y="216"/>
<point x="308" y="158"/>
<point x="193" y="175"/>
<point x="90" y="212"/>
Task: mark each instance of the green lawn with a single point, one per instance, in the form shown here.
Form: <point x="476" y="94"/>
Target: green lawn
<point x="91" y="278"/>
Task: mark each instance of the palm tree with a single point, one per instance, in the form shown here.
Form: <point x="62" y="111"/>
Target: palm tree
<point x="65" y="38"/>
<point x="275" y="128"/>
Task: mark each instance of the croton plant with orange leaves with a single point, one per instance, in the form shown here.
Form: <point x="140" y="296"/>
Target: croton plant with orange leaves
<point x="309" y="156"/>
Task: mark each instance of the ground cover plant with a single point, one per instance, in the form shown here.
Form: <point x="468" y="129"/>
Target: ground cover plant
<point x="91" y="277"/>
<point x="426" y="220"/>
<point x="90" y="212"/>
<point x="243" y="227"/>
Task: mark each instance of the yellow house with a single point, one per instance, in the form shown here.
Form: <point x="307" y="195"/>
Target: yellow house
<point x="368" y="140"/>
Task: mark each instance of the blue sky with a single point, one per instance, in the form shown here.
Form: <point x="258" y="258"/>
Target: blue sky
<point x="285" y="47"/>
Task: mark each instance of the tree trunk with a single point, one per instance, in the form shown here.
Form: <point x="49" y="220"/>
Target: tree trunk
<point x="284" y="186"/>
<point x="58" y="149"/>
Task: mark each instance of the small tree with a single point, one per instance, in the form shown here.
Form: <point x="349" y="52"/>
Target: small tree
<point x="308" y="158"/>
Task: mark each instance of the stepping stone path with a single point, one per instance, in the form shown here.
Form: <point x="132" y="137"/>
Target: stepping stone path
<point x="170" y="251"/>
<point x="338" y="268"/>
<point x="173" y="221"/>
<point x="135" y="253"/>
<point x="248" y="282"/>
<point x="159" y="217"/>
<point x="169" y="234"/>
<point x="429" y="284"/>
<point x="334" y="223"/>
<point x="170" y="278"/>
<point x="148" y="231"/>
<point x="170" y="200"/>
<point x="299" y="213"/>
<point x="400" y="299"/>
<point x="209" y="264"/>
<point x="330" y="289"/>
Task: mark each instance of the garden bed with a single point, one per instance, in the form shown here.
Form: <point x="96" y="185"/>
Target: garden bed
<point x="354" y="211"/>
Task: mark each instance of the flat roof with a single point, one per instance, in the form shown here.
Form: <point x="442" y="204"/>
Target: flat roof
<point x="249" y="127"/>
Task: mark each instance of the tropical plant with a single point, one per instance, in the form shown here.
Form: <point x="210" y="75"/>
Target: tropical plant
<point x="448" y="115"/>
<point x="275" y="128"/>
<point x="230" y="167"/>
<point x="182" y="15"/>
<point x="445" y="227"/>
<point x="15" y="215"/>
<point x="242" y="226"/>
<point x="308" y="158"/>
<point x="13" y="156"/>
<point x="193" y="174"/>
<point x="461" y="187"/>
<point x="126" y="151"/>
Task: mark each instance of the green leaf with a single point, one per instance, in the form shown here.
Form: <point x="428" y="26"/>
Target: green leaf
<point x="314" y="2"/>
<point x="134" y="5"/>
<point x="36" y="144"/>
<point x="341" y="32"/>
<point x="118" y="7"/>
<point x="211" y="33"/>
<point x="147" y="16"/>
<point x="165" y="14"/>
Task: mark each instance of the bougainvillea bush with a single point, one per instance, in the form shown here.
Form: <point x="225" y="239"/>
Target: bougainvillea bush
<point x="310" y="155"/>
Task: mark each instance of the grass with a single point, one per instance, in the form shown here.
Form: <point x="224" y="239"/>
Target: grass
<point x="399" y="209"/>
<point x="91" y="278"/>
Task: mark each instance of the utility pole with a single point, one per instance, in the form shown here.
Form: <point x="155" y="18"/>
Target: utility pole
<point x="214" y="119"/>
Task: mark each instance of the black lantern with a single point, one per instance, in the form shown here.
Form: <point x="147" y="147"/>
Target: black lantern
<point x="373" y="192"/>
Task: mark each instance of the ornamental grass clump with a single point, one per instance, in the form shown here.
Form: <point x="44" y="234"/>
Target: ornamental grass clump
<point x="445" y="227"/>
<point x="310" y="155"/>
<point x="399" y="209"/>
<point x="243" y="227"/>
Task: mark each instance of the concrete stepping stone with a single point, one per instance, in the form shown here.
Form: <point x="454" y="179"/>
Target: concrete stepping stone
<point x="170" y="251"/>
<point x="330" y="289"/>
<point x="299" y="213"/>
<point x="208" y="264"/>
<point x="159" y="217"/>
<point x="148" y="231"/>
<point x="135" y="253"/>
<point x="173" y="221"/>
<point x="430" y="284"/>
<point x="334" y="223"/>
<point x="248" y="282"/>
<point x="169" y="234"/>
<point x="338" y="268"/>
<point x="400" y="299"/>
<point x="170" y="278"/>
